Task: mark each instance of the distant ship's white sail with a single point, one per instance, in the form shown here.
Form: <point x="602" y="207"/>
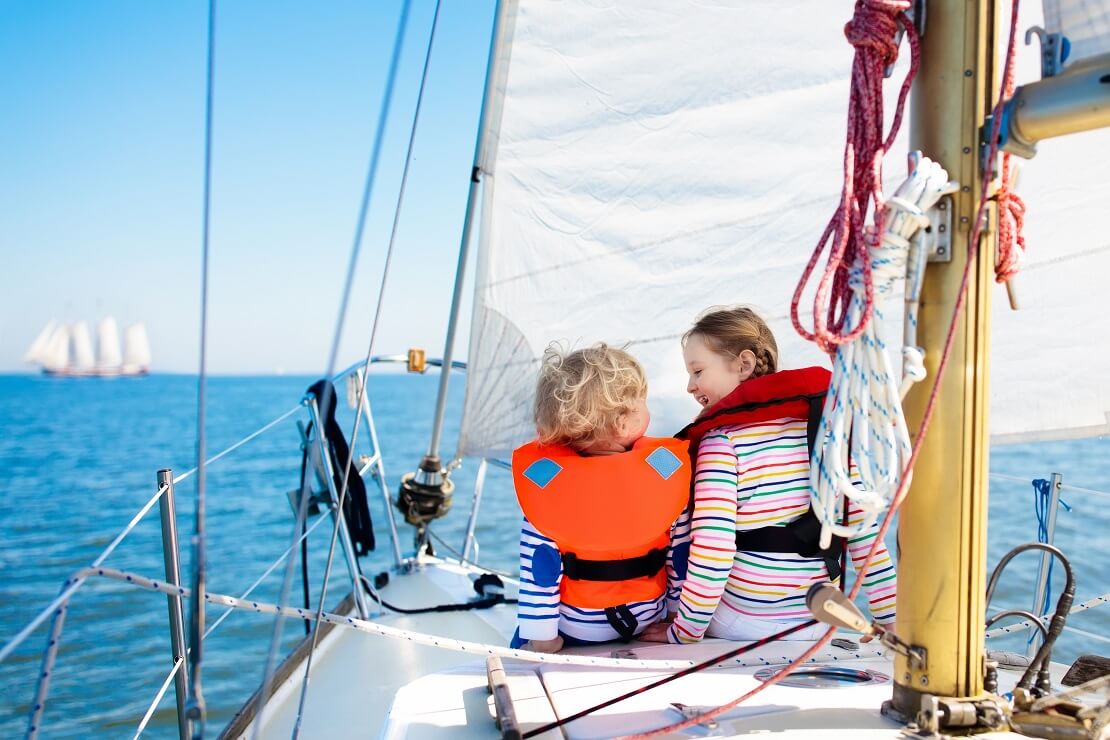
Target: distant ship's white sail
<point x="37" y="351"/>
<point x="136" y="352"/>
<point x="1085" y="23"/>
<point x="56" y="353"/>
<point x="68" y="350"/>
<point x="107" y="344"/>
<point x="82" y="347"/>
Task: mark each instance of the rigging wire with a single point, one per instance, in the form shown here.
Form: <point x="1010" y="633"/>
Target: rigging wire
<point x="466" y="561"/>
<point x="1063" y="486"/>
<point x="195" y="707"/>
<point x="715" y="660"/>
<point x="383" y="118"/>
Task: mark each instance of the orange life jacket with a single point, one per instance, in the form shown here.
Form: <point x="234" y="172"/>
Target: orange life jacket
<point x="609" y="515"/>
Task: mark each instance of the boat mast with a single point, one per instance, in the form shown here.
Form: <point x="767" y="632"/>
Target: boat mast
<point x="430" y="482"/>
<point x="943" y="522"/>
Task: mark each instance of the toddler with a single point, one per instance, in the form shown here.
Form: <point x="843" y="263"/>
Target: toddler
<point x="600" y="503"/>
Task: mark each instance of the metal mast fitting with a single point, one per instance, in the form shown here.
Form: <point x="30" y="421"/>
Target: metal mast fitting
<point x="1075" y="100"/>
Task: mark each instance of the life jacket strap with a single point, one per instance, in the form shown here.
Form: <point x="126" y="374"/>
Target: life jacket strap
<point x="801" y="536"/>
<point x="622" y="620"/>
<point x="579" y="569"/>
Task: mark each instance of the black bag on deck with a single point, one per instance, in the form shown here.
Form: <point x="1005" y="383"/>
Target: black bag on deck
<point x="356" y="510"/>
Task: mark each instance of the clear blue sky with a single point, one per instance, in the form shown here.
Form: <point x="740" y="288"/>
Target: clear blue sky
<point x="101" y="153"/>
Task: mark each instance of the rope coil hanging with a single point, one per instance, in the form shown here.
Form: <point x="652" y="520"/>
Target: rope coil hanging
<point x="872" y="31"/>
<point x="862" y="421"/>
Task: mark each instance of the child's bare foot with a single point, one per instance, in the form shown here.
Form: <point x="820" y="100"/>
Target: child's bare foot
<point x="545" y="646"/>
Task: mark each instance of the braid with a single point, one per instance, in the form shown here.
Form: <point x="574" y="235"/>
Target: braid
<point x="764" y="362"/>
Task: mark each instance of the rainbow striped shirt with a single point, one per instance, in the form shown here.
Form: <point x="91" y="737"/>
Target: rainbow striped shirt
<point x="751" y="476"/>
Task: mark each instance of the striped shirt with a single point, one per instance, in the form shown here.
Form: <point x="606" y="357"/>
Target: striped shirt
<point x="542" y="616"/>
<point x="751" y="476"/>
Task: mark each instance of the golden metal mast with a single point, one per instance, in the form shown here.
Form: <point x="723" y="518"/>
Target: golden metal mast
<point x="943" y="523"/>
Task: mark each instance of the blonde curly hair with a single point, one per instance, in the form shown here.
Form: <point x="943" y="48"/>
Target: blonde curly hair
<point x="581" y="395"/>
<point x="729" y="330"/>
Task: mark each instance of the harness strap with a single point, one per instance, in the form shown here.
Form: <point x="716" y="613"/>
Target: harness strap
<point x="816" y="406"/>
<point x="579" y="569"/>
<point x="799" y="536"/>
<point x="802" y="535"/>
<point x="623" y="621"/>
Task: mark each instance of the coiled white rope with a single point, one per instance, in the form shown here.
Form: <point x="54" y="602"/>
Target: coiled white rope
<point x="862" y="422"/>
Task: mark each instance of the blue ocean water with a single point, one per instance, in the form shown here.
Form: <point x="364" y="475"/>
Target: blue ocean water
<point x="78" y="458"/>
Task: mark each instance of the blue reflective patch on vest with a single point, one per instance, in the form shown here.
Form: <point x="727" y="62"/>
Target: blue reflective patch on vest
<point x="664" y="462"/>
<point x="680" y="559"/>
<point x="547" y="564"/>
<point x="543" y="471"/>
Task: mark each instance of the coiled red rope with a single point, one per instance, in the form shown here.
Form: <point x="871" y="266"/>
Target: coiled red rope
<point x="873" y="32"/>
<point x="1011" y="208"/>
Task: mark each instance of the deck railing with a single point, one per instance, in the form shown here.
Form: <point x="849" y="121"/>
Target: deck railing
<point x="369" y="465"/>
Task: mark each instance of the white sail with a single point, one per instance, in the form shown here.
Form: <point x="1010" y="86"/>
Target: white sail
<point x="649" y="165"/>
<point x="107" y="344"/>
<point x="1085" y="23"/>
<point x="1049" y="369"/>
<point x="631" y="183"/>
<point x="82" y="346"/>
<point x="136" y="348"/>
<point x="37" y="350"/>
<point x="55" y="356"/>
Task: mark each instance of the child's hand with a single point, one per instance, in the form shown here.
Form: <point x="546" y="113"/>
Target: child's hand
<point x="545" y="646"/>
<point x="655" y="633"/>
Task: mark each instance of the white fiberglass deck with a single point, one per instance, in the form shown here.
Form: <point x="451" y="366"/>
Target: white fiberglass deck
<point x="364" y="685"/>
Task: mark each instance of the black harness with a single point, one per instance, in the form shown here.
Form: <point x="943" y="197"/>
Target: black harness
<point x="803" y="535"/>
<point x="620" y="617"/>
<point x="649" y="564"/>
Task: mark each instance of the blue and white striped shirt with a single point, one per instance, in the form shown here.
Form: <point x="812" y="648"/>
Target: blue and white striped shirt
<point x="541" y="615"/>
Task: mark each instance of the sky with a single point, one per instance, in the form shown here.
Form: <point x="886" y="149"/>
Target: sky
<point x="101" y="174"/>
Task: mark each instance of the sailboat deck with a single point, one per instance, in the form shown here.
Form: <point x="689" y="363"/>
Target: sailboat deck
<point x="361" y="682"/>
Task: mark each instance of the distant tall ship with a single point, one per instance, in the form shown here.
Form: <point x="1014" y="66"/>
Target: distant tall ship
<point x="67" y="349"/>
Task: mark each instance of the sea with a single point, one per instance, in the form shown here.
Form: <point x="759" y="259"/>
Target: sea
<point x="79" y="457"/>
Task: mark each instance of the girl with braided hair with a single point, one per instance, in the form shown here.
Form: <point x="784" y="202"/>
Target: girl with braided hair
<point x="754" y="547"/>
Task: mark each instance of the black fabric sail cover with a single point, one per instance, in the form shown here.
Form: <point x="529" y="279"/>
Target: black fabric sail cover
<point x="356" y="510"/>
